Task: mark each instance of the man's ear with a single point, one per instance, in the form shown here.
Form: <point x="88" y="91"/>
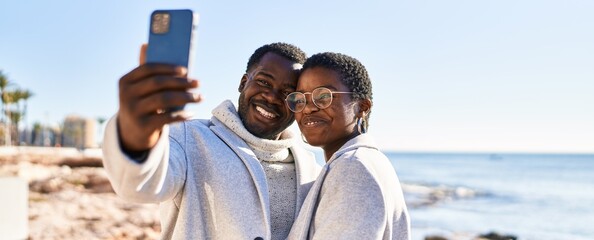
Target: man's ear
<point x="364" y="107"/>
<point x="242" y="83"/>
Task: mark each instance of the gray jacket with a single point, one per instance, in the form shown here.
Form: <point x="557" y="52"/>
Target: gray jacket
<point x="356" y="196"/>
<point x="207" y="180"/>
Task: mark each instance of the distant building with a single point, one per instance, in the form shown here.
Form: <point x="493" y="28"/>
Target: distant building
<point x="41" y="136"/>
<point x="79" y="132"/>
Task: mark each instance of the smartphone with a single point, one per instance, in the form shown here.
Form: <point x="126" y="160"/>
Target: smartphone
<point x="171" y="38"/>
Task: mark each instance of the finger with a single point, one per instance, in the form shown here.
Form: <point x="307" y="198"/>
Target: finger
<point x="152" y="69"/>
<point x="142" y="58"/>
<point x="162" y="83"/>
<point x="156" y="121"/>
<point x="165" y="100"/>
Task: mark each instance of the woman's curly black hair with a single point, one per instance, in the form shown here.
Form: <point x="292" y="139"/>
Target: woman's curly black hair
<point x="352" y="72"/>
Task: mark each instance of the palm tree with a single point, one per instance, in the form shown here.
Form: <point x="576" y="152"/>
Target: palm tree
<point x="25" y="95"/>
<point x="8" y="98"/>
<point x="16" y="117"/>
<point x="4" y="83"/>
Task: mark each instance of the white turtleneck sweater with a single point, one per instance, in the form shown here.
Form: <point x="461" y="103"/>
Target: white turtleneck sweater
<point x="278" y="164"/>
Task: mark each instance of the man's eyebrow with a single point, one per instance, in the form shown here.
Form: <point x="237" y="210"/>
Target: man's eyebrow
<point x="265" y="74"/>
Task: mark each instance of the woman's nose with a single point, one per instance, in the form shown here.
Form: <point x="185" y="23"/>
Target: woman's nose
<point x="309" y="105"/>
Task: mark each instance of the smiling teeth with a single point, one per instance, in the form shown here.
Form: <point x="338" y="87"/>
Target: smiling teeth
<point x="265" y="113"/>
<point x="310" y="123"/>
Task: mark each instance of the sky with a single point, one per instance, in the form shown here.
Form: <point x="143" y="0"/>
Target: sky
<point x="448" y="76"/>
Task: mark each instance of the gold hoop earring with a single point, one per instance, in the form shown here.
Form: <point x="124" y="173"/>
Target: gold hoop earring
<point x="361" y="124"/>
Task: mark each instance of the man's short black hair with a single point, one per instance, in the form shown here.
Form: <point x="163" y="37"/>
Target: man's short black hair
<point x="353" y="74"/>
<point x="285" y="50"/>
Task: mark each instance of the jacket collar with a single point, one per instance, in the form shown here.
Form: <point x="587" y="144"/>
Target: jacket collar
<point x="306" y="166"/>
<point x="360" y="141"/>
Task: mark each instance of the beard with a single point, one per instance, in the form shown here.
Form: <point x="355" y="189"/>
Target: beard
<point x="258" y="130"/>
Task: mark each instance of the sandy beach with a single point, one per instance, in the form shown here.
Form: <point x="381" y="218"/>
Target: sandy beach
<point x="71" y="198"/>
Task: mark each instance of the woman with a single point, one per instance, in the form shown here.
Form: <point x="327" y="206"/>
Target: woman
<point x="357" y="195"/>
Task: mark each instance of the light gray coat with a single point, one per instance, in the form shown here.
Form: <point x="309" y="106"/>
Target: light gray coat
<point x="356" y="196"/>
<point x="209" y="183"/>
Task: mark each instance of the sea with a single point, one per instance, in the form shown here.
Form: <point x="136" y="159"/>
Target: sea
<point x="530" y="196"/>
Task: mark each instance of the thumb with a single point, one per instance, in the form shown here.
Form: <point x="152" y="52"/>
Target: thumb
<point x="142" y="58"/>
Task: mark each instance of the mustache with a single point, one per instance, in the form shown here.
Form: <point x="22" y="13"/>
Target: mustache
<point x="266" y="104"/>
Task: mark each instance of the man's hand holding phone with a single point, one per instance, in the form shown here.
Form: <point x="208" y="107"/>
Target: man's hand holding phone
<point x="154" y="93"/>
<point x="144" y="94"/>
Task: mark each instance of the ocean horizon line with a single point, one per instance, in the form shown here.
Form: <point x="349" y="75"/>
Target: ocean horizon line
<point x="385" y="151"/>
<point x="471" y="152"/>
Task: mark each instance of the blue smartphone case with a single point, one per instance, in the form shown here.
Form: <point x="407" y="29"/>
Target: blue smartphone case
<point x="170" y="37"/>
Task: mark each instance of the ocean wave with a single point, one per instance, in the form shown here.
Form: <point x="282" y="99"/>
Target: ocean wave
<point x="424" y="195"/>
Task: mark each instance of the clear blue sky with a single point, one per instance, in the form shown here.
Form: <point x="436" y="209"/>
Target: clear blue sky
<point x="492" y="75"/>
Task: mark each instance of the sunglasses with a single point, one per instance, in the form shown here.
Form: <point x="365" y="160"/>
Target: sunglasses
<point x="321" y="97"/>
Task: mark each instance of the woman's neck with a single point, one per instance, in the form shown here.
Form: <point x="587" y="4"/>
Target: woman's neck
<point x="330" y="149"/>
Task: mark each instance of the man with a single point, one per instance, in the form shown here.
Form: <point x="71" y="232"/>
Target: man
<point x="235" y="176"/>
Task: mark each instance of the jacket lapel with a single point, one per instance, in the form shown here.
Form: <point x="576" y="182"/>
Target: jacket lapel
<point x="301" y="228"/>
<point x="361" y="141"/>
<point x="307" y="170"/>
<point x="250" y="160"/>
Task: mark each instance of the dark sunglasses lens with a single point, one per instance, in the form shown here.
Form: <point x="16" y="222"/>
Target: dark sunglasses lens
<point x="322" y="97"/>
<point x="295" y="101"/>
